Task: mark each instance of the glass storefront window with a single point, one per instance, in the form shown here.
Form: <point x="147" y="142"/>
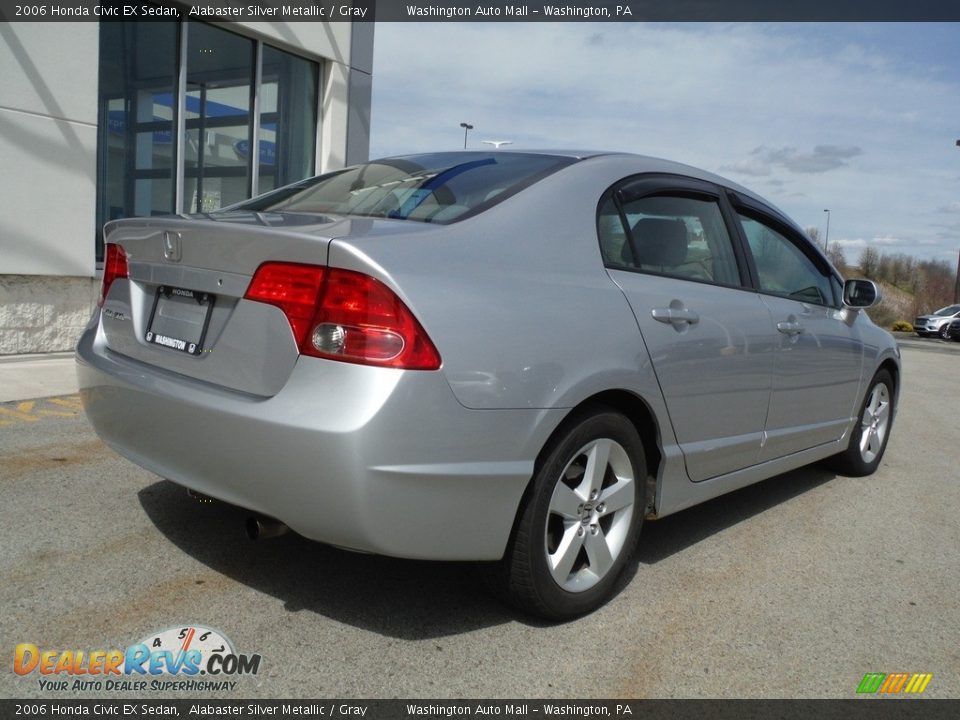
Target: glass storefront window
<point x="288" y="119"/>
<point x="220" y="68"/>
<point x="144" y="164"/>
<point x="137" y="79"/>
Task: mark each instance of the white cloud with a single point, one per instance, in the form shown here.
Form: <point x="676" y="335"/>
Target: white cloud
<point x="753" y="166"/>
<point x="887" y="240"/>
<point x="850" y="243"/>
<point x="763" y="160"/>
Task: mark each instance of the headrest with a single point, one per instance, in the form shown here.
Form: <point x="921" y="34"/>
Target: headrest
<point x="660" y="242"/>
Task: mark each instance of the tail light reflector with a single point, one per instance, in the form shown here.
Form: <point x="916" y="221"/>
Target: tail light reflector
<point x="114" y="266"/>
<point x="345" y="315"/>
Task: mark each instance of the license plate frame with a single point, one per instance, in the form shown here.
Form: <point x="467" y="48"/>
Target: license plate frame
<point x="179" y="319"/>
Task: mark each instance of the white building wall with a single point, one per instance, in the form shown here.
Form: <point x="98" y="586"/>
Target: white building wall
<point x="48" y="135"/>
<point x="48" y="148"/>
<point x="48" y="142"/>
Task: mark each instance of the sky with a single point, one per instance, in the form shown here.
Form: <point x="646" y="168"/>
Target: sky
<point x="861" y="119"/>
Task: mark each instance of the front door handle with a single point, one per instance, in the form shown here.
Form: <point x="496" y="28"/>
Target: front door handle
<point x="675" y="315"/>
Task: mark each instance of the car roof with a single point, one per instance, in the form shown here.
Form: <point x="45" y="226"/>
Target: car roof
<point x="563" y="153"/>
<point x="641" y="164"/>
<point x="645" y="163"/>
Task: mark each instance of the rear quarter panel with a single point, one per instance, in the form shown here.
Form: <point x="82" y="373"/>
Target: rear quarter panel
<point x="517" y="299"/>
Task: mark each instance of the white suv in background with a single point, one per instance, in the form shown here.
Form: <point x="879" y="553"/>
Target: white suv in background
<point x="936" y="323"/>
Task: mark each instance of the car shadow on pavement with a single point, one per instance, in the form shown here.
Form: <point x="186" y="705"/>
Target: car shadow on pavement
<point x="405" y="599"/>
<point x="409" y="599"/>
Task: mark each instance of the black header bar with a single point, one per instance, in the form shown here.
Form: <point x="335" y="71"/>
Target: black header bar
<point x="484" y="10"/>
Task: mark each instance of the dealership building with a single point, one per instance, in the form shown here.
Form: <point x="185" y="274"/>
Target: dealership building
<point x="100" y="121"/>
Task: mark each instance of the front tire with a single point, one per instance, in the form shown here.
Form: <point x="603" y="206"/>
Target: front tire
<point x="945" y="331"/>
<point x="579" y="526"/>
<point x="872" y="430"/>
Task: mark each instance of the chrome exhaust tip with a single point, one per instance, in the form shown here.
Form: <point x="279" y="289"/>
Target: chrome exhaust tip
<point x="262" y="528"/>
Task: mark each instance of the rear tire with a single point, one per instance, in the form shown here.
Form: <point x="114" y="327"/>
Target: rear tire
<point x="868" y="441"/>
<point x="579" y="525"/>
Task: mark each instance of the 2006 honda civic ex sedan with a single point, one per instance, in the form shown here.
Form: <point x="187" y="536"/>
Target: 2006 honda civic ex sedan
<point x="500" y="356"/>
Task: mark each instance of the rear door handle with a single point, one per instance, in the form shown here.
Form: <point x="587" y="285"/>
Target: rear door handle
<point x="674" y="315"/>
<point x="790" y="327"/>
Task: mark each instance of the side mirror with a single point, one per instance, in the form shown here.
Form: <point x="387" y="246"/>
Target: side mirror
<point x="860" y="294"/>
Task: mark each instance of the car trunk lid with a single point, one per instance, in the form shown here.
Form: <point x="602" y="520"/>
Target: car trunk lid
<point x="181" y="307"/>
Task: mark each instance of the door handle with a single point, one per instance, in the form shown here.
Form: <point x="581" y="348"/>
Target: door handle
<point x="675" y="315"/>
<point x="790" y="327"/>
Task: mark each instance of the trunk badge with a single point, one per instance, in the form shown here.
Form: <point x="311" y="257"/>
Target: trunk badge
<point x="172" y="247"/>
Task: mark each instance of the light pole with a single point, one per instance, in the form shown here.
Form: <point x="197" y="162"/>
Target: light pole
<point x="826" y="239"/>
<point x="956" y="284"/>
<point x="497" y="144"/>
<point x="467" y="127"/>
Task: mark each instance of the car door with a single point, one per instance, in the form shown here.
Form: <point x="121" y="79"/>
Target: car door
<point x="819" y="353"/>
<point x="666" y="243"/>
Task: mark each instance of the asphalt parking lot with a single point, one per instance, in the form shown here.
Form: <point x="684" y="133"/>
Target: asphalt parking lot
<point x="795" y="587"/>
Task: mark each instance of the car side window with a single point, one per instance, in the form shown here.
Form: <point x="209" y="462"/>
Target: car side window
<point x="782" y="267"/>
<point x="613" y="239"/>
<point x="672" y="235"/>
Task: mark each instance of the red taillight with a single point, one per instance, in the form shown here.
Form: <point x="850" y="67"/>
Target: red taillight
<point x="345" y="315"/>
<point x="114" y="266"/>
<point x="293" y="288"/>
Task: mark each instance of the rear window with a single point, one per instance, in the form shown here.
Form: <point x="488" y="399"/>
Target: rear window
<point x="435" y="188"/>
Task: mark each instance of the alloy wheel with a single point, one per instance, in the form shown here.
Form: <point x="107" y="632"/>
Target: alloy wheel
<point x="875" y="423"/>
<point x="588" y="519"/>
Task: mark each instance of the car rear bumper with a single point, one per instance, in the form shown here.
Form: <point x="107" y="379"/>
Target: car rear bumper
<point x="372" y="459"/>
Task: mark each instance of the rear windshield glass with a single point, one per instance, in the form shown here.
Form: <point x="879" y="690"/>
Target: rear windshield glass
<point x="436" y="188"/>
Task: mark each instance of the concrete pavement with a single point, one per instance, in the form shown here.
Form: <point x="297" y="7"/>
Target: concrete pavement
<point x="26" y="377"/>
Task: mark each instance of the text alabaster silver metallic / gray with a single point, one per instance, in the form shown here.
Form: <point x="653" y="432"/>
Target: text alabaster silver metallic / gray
<point x="530" y="325"/>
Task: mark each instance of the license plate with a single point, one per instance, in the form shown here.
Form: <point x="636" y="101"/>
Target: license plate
<point x="179" y="319"/>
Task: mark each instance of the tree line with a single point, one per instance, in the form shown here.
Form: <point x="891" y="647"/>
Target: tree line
<point x="923" y="285"/>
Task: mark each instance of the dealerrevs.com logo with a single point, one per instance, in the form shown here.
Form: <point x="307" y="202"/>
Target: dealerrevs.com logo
<point x="192" y="658"/>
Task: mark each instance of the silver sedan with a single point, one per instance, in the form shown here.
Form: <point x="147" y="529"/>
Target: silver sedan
<point x="504" y="356"/>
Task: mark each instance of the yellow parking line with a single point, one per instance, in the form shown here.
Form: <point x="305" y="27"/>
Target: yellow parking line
<point x="67" y="406"/>
<point x="71" y="401"/>
<point x="22" y="412"/>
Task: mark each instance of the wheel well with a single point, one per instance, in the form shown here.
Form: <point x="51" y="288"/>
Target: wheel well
<point x="891" y="367"/>
<point x="637" y="412"/>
